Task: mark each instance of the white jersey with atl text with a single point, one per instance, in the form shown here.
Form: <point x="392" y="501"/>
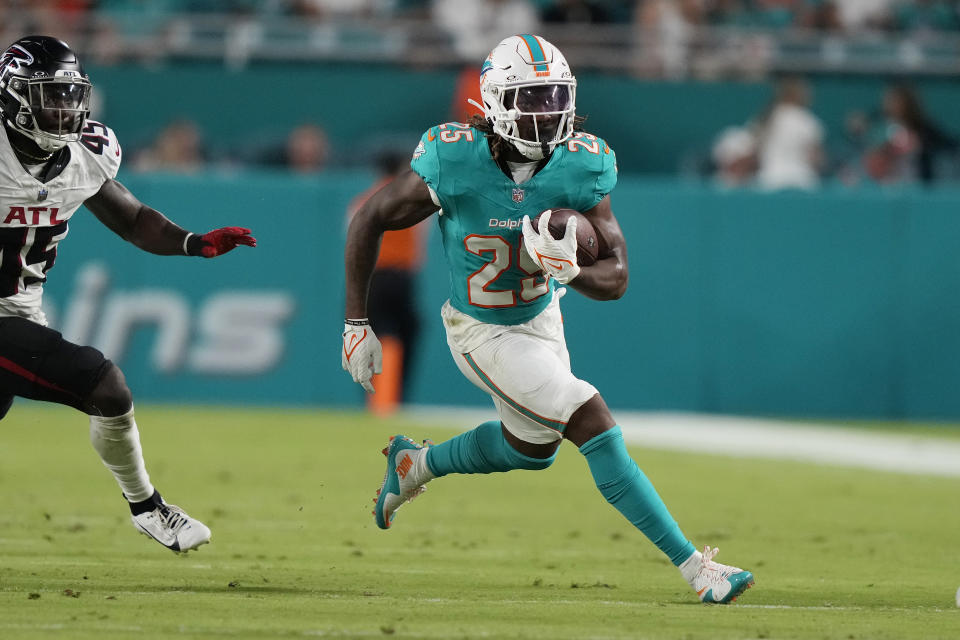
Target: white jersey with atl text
<point x="34" y="215"/>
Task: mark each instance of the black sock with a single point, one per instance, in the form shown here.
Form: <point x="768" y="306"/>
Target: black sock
<point x="151" y="503"/>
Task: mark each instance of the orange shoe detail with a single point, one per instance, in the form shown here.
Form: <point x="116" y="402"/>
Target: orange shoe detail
<point x="404" y="467"/>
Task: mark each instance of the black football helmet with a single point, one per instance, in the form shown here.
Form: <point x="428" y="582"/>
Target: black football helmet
<point x="44" y="91"/>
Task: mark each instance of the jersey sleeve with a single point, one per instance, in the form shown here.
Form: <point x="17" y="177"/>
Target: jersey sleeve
<point x="606" y="178"/>
<point x="426" y="159"/>
<point x="592" y="167"/>
<point x="102" y="148"/>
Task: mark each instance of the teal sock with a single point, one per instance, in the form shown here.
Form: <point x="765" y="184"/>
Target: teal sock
<point x="481" y="450"/>
<point x="625" y="486"/>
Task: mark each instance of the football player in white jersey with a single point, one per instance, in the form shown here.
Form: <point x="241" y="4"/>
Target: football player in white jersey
<point x="52" y="160"/>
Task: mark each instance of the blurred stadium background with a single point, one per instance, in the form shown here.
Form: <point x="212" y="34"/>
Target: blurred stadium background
<point x="790" y="194"/>
<point x="788" y="189"/>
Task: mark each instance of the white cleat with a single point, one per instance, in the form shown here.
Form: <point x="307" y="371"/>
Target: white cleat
<point x="171" y="527"/>
<point x="406" y="475"/>
<point x="717" y="583"/>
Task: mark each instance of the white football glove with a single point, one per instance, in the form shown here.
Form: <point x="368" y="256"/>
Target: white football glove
<point x="362" y="355"/>
<point x="557" y="258"/>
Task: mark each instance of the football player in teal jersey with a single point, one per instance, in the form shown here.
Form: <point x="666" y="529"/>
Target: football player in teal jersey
<point x="486" y="180"/>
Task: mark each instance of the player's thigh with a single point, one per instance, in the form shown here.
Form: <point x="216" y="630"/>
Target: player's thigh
<point x="37" y="363"/>
<point x="530" y="381"/>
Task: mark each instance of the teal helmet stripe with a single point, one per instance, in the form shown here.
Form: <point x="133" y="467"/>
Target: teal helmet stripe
<point x="537" y="55"/>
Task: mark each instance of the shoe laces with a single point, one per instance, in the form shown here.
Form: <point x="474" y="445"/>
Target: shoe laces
<point x="714" y="570"/>
<point x="171" y="517"/>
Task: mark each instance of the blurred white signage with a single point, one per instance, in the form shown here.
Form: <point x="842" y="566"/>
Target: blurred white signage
<point x="232" y="332"/>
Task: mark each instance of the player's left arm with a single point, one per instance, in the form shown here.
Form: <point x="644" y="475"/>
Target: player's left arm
<point x="121" y="212"/>
<point x="606" y="279"/>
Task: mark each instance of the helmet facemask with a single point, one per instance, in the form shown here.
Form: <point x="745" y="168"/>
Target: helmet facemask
<point x="52" y="110"/>
<point x="535" y="117"/>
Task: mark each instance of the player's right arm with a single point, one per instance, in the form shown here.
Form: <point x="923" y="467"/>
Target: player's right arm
<point x="402" y="203"/>
<point x="121" y="212"/>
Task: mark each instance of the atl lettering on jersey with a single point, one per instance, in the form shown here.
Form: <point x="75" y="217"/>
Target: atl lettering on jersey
<point x="33" y="216"/>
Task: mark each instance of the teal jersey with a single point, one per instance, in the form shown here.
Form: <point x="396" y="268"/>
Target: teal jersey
<point x="492" y="278"/>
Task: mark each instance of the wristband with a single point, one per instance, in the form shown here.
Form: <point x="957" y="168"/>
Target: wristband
<point x="193" y="245"/>
<point x="356" y="322"/>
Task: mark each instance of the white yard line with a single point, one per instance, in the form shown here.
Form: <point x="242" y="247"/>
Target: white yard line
<point x="823" y="444"/>
<point x="758" y="438"/>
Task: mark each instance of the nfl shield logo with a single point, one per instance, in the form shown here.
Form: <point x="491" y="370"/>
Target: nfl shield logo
<point x="518" y="195"/>
<point x="42" y="193"/>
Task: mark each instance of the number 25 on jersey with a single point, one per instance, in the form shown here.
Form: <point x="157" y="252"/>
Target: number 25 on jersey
<point x="500" y="255"/>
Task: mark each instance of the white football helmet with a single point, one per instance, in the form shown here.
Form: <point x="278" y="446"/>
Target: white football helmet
<point x="529" y="94"/>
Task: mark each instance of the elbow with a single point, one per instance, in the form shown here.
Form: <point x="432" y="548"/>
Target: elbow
<point x="366" y="222"/>
<point x="619" y="287"/>
<point x="613" y="292"/>
<point x="617" y="292"/>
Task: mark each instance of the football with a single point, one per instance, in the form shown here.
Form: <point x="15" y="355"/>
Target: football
<point x="588" y="245"/>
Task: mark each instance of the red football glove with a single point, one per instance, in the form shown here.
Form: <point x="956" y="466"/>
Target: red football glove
<point x="219" y="241"/>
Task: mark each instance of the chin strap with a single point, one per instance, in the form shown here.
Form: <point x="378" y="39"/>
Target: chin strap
<point x="18" y="140"/>
<point x="543" y="148"/>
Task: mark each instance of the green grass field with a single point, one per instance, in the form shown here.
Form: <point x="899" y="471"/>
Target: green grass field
<point x="837" y="553"/>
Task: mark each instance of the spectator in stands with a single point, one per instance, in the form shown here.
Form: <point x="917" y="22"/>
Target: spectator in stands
<point x="392" y="303"/>
<point x="909" y="142"/>
<point x="726" y="13"/>
<point x="666" y="31"/>
<point x="474" y="24"/>
<point x="177" y="148"/>
<point x="820" y="16"/>
<point x="60" y="18"/>
<point x="307" y="149"/>
<point x="770" y="14"/>
<point x="863" y="15"/>
<point x="790" y="140"/>
<point x="734" y="156"/>
<point x="337" y="9"/>
<point x="849" y="151"/>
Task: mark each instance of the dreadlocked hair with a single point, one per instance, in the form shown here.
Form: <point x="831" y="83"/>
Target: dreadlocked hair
<point x="497" y="143"/>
